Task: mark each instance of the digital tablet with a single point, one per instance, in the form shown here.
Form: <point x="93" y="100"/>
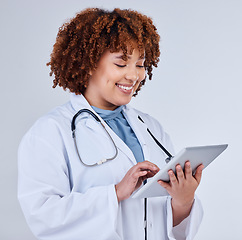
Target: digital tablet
<point x="196" y="155"/>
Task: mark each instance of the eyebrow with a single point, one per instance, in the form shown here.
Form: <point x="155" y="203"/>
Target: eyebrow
<point x="121" y="57"/>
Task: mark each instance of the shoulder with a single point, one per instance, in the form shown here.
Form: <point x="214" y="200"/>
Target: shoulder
<point x="44" y="144"/>
<point x="52" y="125"/>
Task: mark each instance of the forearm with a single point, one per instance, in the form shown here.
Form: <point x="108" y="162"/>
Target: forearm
<point x="180" y="212"/>
<point x="188" y="227"/>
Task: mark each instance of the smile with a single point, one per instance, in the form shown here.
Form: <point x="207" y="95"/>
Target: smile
<point x="126" y="88"/>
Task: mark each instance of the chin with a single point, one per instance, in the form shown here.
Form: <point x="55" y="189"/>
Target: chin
<point x="124" y="102"/>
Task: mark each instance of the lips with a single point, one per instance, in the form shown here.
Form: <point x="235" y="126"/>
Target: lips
<point x="127" y="88"/>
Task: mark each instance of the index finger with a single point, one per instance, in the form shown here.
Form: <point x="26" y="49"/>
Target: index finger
<point x="147" y="165"/>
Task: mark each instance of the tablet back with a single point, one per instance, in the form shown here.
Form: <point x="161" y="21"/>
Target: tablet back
<point x="196" y="155"/>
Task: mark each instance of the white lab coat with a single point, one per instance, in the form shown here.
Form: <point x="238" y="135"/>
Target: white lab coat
<point x="64" y="200"/>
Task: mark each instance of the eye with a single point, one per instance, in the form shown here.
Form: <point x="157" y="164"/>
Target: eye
<point x="140" y="66"/>
<point x="119" y="65"/>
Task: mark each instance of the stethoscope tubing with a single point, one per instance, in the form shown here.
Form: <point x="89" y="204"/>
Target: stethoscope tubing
<point x="73" y="129"/>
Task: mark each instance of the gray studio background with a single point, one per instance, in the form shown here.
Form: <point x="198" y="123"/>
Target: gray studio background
<point x="196" y="93"/>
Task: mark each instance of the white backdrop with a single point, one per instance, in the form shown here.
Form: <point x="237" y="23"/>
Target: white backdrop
<point x="196" y="93"/>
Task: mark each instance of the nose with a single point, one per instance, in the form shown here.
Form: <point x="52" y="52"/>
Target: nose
<point x="132" y="73"/>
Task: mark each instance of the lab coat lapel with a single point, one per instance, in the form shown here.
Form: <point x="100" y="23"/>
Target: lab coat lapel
<point x="79" y="102"/>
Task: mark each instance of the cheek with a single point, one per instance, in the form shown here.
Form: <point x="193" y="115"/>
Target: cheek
<point x="114" y="75"/>
<point x="141" y="77"/>
<point x="137" y="85"/>
<point x="142" y="74"/>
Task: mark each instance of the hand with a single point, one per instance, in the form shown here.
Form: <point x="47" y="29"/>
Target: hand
<point x="182" y="190"/>
<point x="134" y="178"/>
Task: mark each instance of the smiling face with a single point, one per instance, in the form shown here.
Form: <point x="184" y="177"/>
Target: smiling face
<point x="115" y="80"/>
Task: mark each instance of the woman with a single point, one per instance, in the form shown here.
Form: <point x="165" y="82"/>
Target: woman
<point x="66" y="190"/>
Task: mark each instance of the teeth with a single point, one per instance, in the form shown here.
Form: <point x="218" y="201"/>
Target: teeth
<point x="125" y="88"/>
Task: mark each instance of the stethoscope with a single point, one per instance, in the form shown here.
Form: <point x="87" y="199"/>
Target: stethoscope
<point x="73" y="129"/>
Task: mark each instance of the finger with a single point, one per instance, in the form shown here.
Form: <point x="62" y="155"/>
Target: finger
<point x="165" y="185"/>
<point x="146" y="165"/>
<point x="188" y="170"/>
<point x="179" y="173"/>
<point x="146" y="176"/>
<point x="150" y="174"/>
<point x="173" y="179"/>
<point x="139" y="174"/>
<point x="198" y="174"/>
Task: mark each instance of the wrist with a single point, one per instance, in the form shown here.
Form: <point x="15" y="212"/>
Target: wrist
<point x="180" y="210"/>
<point x="182" y="204"/>
<point x="118" y="193"/>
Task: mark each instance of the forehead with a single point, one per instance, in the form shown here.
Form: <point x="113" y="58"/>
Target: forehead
<point x="120" y="55"/>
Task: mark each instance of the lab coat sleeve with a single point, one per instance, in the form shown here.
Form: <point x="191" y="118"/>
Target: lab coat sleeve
<point x="52" y="210"/>
<point x="188" y="228"/>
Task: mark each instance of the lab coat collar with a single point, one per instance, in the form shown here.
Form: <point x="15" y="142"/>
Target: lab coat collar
<point x="79" y="102"/>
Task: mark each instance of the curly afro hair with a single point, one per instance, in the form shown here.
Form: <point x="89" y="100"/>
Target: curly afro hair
<point x="81" y="42"/>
